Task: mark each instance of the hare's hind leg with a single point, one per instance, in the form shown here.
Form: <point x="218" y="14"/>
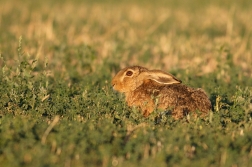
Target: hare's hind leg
<point x="180" y="112"/>
<point x="202" y="102"/>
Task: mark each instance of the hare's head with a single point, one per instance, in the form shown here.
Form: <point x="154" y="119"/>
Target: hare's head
<point x="130" y="78"/>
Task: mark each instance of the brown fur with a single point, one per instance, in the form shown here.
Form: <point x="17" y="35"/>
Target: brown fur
<point x="155" y="89"/>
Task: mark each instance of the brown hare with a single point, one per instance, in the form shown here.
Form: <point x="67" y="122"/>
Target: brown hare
<point x="154" y="89"/>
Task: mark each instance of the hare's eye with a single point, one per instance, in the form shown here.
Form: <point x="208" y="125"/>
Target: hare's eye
<point x="129" y="73"/>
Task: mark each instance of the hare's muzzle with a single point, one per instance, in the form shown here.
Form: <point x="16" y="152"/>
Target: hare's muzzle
<point x="113" y="85"/>
<point x="116" y="87"/>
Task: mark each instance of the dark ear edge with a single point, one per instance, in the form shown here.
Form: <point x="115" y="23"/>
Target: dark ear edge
<point x="162" y="77"/>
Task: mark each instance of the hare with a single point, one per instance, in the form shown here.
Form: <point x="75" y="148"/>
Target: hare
<point x="154" y="89"/>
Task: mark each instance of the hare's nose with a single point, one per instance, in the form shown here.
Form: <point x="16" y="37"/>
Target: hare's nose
<point x="113" y="86"/>
<point x="113" y="83"/>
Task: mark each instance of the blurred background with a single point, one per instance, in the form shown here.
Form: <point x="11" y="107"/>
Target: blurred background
<point x="200" y="36"/>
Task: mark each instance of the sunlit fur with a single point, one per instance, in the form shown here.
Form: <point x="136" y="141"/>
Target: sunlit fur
<point x="155" y="89"/>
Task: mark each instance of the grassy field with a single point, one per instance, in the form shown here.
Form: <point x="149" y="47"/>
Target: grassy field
<point x="57" y="107"/>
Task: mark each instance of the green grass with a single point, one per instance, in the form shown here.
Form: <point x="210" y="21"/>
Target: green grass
<point x="57" y="107"/>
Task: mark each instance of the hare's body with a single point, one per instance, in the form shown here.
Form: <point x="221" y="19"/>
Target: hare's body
<point x="154" y="89"/>
<point x="183" y="100"/>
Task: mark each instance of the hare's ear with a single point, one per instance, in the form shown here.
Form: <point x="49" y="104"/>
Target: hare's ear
<point x="162" y="77"/>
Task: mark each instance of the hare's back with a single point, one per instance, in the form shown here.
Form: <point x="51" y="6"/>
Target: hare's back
<point x="177" y="90"/>
<point x="175" y="95"/>
<point x="182" y="95"/>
